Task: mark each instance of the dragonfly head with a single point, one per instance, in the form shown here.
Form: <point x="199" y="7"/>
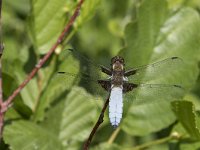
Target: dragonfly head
<point x="117" y="63"/>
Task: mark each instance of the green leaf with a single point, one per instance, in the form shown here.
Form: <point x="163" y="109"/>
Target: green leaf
<point x="12" y="114"/>
<point x="184" y="142"/>
<point x="152" y="115"/>
<point x="194" y="99"/>
<point x="153" y="37"/>
<point x="74" y="116"/>
<point x="30" y="136"/>
<point x="21" y="6"/>
<point x="180" y="131"/>
<point x="106" y="146"/>
<point x="87" y="11"/>
<point x="190" y="146"/>
<point x="67" y="124"/>
<point x="50" y="18"/>
<point x="30" y="93"/>
<point x="57" y="85"/>
<point x="48" y="23"/>
<point x="14" y="78"/>
<point x="140" y="36"/>
<point x="185" y="113"/>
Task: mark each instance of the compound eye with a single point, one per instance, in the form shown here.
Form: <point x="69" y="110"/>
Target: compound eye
<point x="121" y="61"/>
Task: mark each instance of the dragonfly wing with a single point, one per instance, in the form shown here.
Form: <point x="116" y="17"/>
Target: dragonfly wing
<point x="87" y="65"/>
<point x="147" y="108"/>
<point x="91" y="85"/>
<point x="84" y="71"/>
<point x="150" y="93"/>
<point x="155" y="72"/>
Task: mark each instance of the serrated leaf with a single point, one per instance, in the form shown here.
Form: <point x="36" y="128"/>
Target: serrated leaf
<point x="46" y="28"/>
<point x="184" y="142"/>
<point x="15" y="78"/>
<point x="79" y="115"/>
<point x="30" y="136"/>
<point x="48" y="23"/>
<point x="56" y="87"/>
<point x="152" y="115"/>
<point x="72" y="118"/>
<point x="30" y="93"/>
<point x="87" y="11"/>
<point x="194" y="99"/>
<point x="156" y="36"/>
<point x="185" y="113"/>
<point x="179" y="130"/>
<point x="141" y="36"/>
<point x="67" y="124"/>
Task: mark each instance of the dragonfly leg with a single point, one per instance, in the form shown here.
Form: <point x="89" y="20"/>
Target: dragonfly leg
<point x="106" y="84"/>
<point x="129" y="72"/>
<point x="106" y="70"/>
<point x="129" y="86"/>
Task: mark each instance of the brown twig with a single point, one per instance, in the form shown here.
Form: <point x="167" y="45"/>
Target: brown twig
<point x="98" y="123"/>
<point x="46" y="57"/>
<point x="1" y="99"/>
<point x="1" y="89"/>
<point x="1" y="52"/>
<point x="4" y="105"/>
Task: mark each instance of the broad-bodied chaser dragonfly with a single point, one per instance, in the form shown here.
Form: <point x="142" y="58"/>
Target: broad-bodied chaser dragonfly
<point x="121" y="82"/>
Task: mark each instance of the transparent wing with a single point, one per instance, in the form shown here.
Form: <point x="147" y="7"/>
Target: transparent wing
<point x="87" y="65"/>
<point x="84" y="80"/>
<point x="73" y="82"/>
<point x="84" y="71"/>
<point x="150" y="93"/>
<point x="156" y="71"/>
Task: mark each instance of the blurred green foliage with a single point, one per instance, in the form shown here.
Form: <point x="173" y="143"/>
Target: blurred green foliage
<point x="51" y="113"/>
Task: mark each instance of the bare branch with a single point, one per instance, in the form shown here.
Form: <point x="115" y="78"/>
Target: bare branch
<point x="1" y="52"/>
<point x="1" y="89"/>
<point x="98" y="123"/>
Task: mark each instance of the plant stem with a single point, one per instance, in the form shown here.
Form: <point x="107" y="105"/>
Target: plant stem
<point x="1" y="89"/>
<point x="152" y="143"/>
<point x="99" y="121"/>
<point x="114" y="135"/>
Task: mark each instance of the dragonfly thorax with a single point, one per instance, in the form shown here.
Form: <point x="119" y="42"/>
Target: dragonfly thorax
<point x="117" y="63"/>
<point x="117" y="78"/>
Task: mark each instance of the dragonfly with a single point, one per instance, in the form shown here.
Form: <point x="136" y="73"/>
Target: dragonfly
<point x="121" y="83"/>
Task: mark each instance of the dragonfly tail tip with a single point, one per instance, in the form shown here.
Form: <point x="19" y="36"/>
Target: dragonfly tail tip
<point x="115" y="126"/>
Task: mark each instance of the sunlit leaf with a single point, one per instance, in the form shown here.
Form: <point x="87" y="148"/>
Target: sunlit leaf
<point x="46" y="23"/>
<point x="67" y="123"/>
<point x="30" y="93"/>
<point x="28" y="135"/>
<point x="106" y="146"/>
<point x="185" y="113"/>
<point x="57" y="86"/>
